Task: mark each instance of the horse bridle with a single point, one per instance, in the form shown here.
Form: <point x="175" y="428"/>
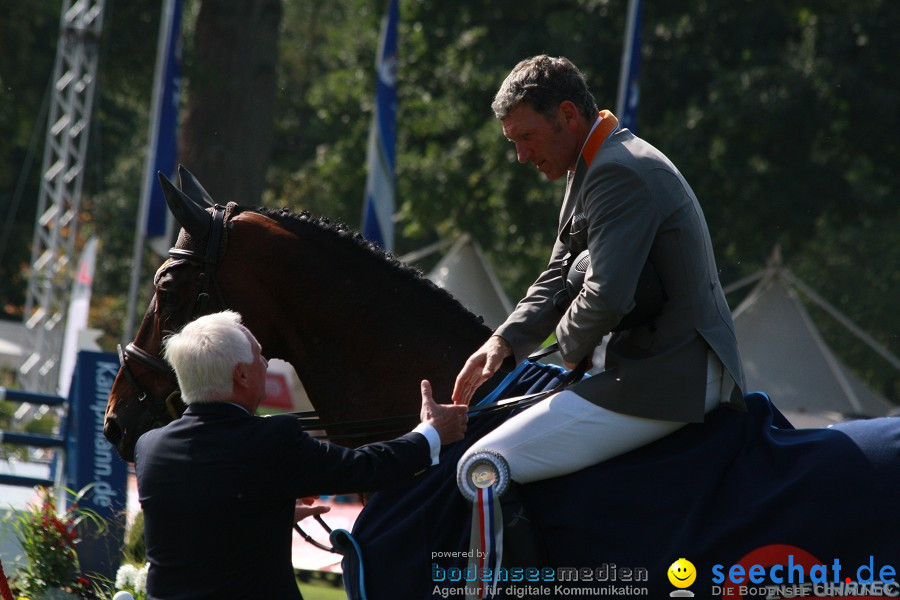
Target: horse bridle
<point x="207" y="262"/>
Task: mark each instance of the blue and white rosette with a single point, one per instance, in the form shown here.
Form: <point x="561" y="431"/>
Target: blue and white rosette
<point x="482" y="478"/>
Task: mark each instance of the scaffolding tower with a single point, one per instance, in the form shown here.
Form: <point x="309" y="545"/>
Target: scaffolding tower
<point x="62" y="176"/>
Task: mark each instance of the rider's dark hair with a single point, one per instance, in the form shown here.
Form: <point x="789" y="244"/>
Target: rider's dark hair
<point x="543" y="82"/>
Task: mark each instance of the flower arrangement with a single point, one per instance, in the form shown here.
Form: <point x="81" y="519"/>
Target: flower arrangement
<point x="48" y="539"/>
<point x="133" y="579"/>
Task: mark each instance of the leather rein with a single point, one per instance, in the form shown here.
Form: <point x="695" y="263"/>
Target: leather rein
<point x="399" y="424"/>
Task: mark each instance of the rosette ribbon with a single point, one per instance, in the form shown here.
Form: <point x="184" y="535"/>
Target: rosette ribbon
<point x="482" y="479"/>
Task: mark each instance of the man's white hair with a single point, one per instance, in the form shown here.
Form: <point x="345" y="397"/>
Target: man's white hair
<point x="204" y="354"/>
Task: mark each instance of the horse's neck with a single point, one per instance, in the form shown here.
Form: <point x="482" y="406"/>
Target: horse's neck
<point x="378" y="354"/>
<point x="360" y="333"/>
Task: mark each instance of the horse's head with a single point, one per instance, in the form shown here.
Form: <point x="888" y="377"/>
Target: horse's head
<point x="145" y="393"/>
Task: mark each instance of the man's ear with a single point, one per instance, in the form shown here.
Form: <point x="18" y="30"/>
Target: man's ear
<point x="569" y="112"/>
<point x="239" y="375"/>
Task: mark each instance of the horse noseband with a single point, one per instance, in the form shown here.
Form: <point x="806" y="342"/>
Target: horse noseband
<point x="135" y="353"/>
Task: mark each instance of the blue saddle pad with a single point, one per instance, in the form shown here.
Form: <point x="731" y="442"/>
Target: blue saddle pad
<point x="738" y="487"/>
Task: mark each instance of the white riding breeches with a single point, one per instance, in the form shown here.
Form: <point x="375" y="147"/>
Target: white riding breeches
<point x="565" y="433"/>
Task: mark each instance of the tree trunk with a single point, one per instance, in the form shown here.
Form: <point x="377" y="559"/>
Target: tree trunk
<point x="227" y="130"/>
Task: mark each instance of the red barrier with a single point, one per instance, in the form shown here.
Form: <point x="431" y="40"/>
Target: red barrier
<point x="4" y="585"/>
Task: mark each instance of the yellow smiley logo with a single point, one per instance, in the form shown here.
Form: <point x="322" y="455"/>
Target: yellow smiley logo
<point x="682" y="573"/>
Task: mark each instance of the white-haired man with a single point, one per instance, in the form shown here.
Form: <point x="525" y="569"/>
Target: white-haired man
<point x="220" y="487"/>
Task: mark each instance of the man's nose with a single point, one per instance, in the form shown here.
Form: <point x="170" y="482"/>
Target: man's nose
<point x="523" y="153"/>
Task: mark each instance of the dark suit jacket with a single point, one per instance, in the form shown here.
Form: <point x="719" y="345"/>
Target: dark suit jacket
<point x="218" y="488"/>
<point x="627" y="204"/>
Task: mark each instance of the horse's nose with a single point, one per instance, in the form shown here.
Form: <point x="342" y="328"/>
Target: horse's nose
<point x="112" y="431"/>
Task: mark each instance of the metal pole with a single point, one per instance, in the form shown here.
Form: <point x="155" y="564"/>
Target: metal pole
<point x="137" y="258"/>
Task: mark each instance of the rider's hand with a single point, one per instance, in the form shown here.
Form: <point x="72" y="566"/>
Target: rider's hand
<point x="449" y="420"/>
<point x="572" y="366"/>
<point x="480" y="367"/>
<point x="303" y="508"/>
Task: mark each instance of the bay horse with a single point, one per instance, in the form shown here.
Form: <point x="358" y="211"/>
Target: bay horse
<point x="355" y="324"/>
<point x="742" y="491"/>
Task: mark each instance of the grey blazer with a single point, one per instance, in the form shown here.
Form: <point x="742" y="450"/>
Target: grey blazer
<point x="627" y="203"/>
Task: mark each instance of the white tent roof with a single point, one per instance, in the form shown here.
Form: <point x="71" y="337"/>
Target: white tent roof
<point x="467" y="275"/>
<point x="785" y="356"/>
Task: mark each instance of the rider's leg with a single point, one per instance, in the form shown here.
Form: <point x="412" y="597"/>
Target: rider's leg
<point x="563" y="434"/>
<point x="566" y="433"/>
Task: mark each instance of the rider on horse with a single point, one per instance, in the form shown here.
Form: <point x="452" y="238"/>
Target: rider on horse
<point x="630" y="211"/>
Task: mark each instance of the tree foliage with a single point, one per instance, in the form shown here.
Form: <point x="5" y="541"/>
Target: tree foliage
<point x="28" y="34"/>
<point x="782" y="114"/>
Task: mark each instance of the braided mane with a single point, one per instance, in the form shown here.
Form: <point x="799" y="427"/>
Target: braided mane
<point x="303" y="222"/>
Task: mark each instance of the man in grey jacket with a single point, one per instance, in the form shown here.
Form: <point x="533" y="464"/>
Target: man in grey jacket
<point x="628" y="206"/>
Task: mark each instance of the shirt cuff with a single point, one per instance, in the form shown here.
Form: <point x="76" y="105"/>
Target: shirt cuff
<point x="434" y="440"/>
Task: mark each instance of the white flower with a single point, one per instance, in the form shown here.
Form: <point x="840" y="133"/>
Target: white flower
<point x="125" y="576"/>
<point x="140" y="579"/>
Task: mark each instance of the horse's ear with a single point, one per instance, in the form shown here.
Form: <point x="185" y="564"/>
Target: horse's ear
<point x="188" y="213"/>
<point x="192" y="187"/>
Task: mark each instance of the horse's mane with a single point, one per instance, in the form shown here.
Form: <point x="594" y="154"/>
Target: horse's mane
<point x="302" y="222"/>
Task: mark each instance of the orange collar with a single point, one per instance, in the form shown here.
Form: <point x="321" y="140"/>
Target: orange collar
<point x="606" y="126"/>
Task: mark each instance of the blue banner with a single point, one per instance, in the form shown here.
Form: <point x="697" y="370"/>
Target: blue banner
<point x="165" y="130"/>
<point x="631" y="64"/>
<point x="91" y="460"/>
<point x="378" y="209"/>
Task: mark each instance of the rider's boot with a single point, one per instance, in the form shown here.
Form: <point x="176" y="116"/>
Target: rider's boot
<point x="522" y="545"/>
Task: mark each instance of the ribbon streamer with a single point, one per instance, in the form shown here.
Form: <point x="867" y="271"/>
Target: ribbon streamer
<point x="486" y="543"/>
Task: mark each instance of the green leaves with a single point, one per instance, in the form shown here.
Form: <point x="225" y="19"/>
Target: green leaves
<point x="48" y="539"/>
